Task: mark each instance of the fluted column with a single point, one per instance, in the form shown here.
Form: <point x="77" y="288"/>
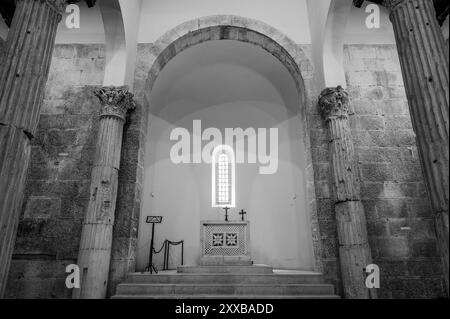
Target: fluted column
<point x="424" y="62"/>
<point x="354" y="250"/>
<point x="96" y="238"/>
<point x="23" y="75"/>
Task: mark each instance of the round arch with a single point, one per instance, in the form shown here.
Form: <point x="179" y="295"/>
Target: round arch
<point x="229" y="27"/>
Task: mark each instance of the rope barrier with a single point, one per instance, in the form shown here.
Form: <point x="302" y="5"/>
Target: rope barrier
<point x="166" y="246"/>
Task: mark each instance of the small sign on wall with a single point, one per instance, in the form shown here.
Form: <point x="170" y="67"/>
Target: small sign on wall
<point x="154" y="219"/>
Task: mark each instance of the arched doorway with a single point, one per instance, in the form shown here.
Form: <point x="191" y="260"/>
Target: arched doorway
<point x="279" y="102"/>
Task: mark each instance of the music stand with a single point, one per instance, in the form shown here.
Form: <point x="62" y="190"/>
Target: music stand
<point x="152" y="220"/>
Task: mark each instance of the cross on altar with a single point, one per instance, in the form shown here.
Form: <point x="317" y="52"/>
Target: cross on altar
<point x="242" y="213"/>
<point x="226" y="212"/>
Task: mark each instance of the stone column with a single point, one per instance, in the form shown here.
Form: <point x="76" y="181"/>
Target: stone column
<point x="354" y="250"/>
<point x="96" y="238"/>
<point x="23" y="75"/>
<point x="424" y="63"/>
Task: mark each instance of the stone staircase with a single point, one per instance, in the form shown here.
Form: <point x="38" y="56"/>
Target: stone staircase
<point x="225" y="282"/>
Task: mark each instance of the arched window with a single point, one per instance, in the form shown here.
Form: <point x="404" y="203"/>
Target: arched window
<point x="223" y="177"/>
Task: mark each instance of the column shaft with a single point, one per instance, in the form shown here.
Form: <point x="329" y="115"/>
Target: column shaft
<point x="96" y="238"/>
<point x="23" y="76"/>
<point x="354" y="250"/>
<point x="424" y="62"/>
<point x="14" y="157"/>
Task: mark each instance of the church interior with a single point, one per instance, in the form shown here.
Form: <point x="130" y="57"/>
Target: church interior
<point x="214" y="149"/>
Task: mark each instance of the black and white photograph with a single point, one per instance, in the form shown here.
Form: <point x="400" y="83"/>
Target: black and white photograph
<point x="221" y="157"/>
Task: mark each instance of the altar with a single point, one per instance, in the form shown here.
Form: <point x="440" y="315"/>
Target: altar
<point x="225" y="243"/>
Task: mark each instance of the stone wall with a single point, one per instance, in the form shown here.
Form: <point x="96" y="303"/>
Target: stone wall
<point x="399" y="217"/>
<point x="2" y="48"/>
<point x="57" y="189"/>
<point x="400" y="223"/>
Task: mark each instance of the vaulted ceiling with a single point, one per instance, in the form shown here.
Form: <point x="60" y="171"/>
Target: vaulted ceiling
<point x="7" y="8"/>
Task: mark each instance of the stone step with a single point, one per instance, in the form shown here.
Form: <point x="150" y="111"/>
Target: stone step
<point x="254" y="269"/>
<point x="224" y="278"/>
<point x="229" y="297"/>
<point x="224" y="289"/>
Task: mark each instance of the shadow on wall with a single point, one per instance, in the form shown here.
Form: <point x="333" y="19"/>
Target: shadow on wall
<point x="399" y="216"/>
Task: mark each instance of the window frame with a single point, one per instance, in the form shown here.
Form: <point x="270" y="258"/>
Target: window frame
<point x="231" y="172"/>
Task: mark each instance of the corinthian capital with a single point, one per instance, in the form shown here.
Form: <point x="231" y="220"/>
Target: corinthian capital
<point x="439" y="6"/>
<point x="58" y="5"/>
<point x="391" y="4"/>
<point x="116" y="101"/>
<point x="334" y="102"/>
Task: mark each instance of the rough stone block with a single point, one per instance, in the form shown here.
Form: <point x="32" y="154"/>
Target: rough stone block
<point x="42" y="207"/>
<point x="406" y="172"/>
<point x="361" y="139"/>
<point x="401" y="122"/>
<point x="319" y="138"/>
<point x="61" y="138"/>
<point x="394" y="92"/>
<point x="394" y="106"/>
<point x="393" y="247"/>
<point x="64" y="51"/>
<point x="31" y="227"/>
<point x="365" y="107"/>
<point x="33" y="244"/>
<point x="367" y="123"/>
<point x="376" y="172"/>
<point x="377" y="228"/>
<point x="392" y="138"/>
<point x="424" y="248"/>
<point x="385" y="154"/>
<point x="399" y="190"/>
<point x="361" y="78"/>
<point x="322" y="172"/>
<point x="386" y="208"/>
<point x="414" y="288"/>
<point x="320" y="154"/>
<point x="392" y="268"/>
<point x="325" y="209"/>
<point x="371" y="190"/>
<point x="424" y="268"/>
<point x="419" y="207"/>
<point x="330" y="248"/>
<point x="372" y="92"/>
<point x="328" y="228"/>
<point x="322" y="189"/>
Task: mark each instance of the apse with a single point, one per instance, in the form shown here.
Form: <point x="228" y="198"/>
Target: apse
<point x="201" y="96"/>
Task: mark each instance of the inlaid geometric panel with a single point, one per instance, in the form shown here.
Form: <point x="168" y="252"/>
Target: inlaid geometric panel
<point x="217" y="239"/>
<point x="224" y="240"/>
<point x="231" y="239"/>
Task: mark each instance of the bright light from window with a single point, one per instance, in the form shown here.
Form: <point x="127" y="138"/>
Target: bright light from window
<point x="223" y="177"/>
